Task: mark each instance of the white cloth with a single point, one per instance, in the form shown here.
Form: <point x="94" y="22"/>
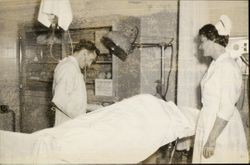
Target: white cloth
<point x="192" y="115"/>
<point x="125" y="132"/>
<point x="224" y="25"/>
<point x="69" y="90"/>
<point x="60" y="8"/>
<point x="23" y="144"/>
<point x="221" y="87"/>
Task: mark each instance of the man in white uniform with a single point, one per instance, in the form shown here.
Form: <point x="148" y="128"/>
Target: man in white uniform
<point x="69" y="91"/>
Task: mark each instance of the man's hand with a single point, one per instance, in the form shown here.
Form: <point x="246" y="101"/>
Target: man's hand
<point x="53" y="107"/>
<point x="209" y="148"/>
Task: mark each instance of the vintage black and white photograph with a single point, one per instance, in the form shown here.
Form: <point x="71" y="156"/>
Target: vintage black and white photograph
<point x="124" y="82"/>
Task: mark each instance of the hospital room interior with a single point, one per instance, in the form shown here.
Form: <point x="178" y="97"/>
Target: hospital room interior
<point x="148" y="58"/>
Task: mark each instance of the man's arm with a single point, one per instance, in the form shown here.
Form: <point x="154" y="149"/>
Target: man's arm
<point x="64" y="86"/>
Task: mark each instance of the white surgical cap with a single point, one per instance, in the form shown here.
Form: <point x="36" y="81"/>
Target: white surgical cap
<point x="224" y="25"/>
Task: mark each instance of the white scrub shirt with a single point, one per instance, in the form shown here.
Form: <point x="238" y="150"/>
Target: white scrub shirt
<point x="69" y="90"/>
<point x="221" y="88"/>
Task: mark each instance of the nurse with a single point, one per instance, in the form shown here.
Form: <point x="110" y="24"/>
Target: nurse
<point x="220" y="137"/>
<point x="69" y="91"/>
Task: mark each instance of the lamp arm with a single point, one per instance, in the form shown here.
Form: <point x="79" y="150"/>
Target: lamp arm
<point x="160" y="44"/>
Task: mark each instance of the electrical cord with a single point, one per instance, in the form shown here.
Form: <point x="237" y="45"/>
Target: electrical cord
<point x="51" y="43"/>
<point x="71" y="43"/>
<point x="244" y="60"/>
<point x="51" y="53"/>
<point x="169" y="73"/>
<point x="245" y="81"/>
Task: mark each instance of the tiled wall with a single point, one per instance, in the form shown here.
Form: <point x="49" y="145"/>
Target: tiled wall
<point x="9" y="90"/>
<point x="12" y="13"/>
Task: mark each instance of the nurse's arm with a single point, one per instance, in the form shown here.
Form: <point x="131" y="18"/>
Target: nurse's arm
<point x="230" y="81"/>
<point x="230" y="87"/>
<point x="218" y="127"/>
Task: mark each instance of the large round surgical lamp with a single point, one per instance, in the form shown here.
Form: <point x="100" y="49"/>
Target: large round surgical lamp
<point x="118" y="44"/>
<point x="121" y="44"/>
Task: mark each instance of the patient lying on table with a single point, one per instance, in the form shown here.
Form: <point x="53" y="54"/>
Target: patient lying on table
<point x="125" y="132"/>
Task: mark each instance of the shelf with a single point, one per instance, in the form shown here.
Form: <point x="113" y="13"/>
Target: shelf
<point x="103" y="62"/>
<point x="90" y="83"/>
<point x="42" y="62"/>
<point x="39" y="80"/>
<point x="73" y="42"/>
<point x="102" y="99"/>
<point x="42" y="44"/>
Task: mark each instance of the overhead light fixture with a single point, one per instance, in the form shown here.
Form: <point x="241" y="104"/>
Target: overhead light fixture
<point x="119" y="43"/>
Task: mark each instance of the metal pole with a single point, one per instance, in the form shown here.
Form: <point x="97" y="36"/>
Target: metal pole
<point x="162" y="68"/>
<point x="13" y="119"/>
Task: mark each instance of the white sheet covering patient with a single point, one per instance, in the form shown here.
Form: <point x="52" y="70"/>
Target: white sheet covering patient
<point x="126" y="132"/>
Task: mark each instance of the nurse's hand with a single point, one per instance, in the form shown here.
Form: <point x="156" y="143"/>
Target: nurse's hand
<point x="209" y="148"/>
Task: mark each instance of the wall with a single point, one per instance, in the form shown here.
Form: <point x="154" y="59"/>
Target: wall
<point x="158" y="28"/>
<point x="11" y="14"/>
<point x="127" y="73"/>
<point x="236" y="10"/>
<point x="8" y="71"/>
<point x="191" y="67"/>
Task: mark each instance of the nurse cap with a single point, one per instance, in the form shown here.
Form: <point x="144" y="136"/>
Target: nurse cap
<point x="224" y="25"/>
